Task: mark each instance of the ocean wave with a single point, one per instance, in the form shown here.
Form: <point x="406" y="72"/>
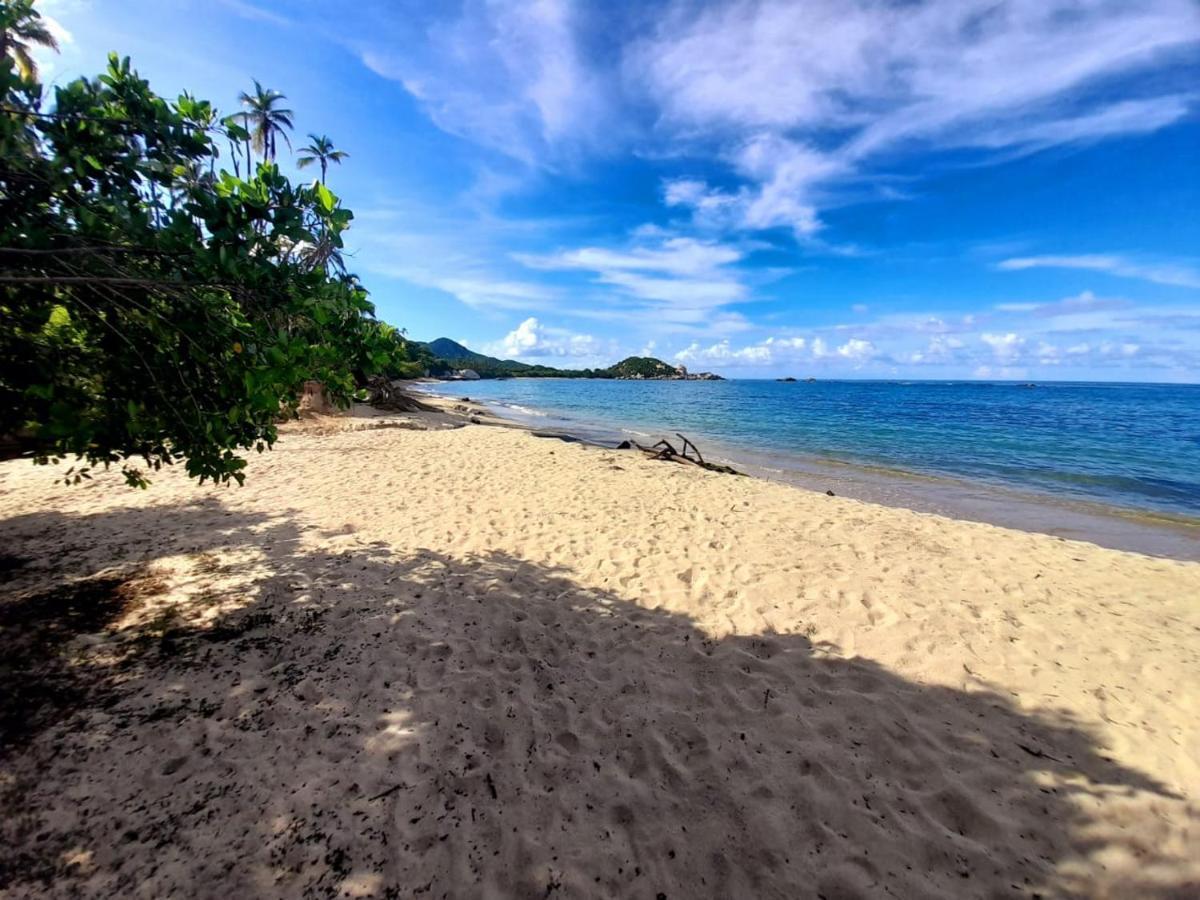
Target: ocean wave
<point x="524" y="410"/>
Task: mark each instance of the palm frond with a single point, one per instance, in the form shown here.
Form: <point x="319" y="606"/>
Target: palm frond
<point x="26" y="65"/>
<point x="34" y="31"/>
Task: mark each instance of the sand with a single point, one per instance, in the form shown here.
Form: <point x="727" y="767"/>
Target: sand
<point x="470" y="662"/>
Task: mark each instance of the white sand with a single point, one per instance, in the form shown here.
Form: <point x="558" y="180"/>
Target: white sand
<point x="472" y="662"/>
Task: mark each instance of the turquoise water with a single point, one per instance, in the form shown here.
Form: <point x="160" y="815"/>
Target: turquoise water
<point x="1135" y="447"/>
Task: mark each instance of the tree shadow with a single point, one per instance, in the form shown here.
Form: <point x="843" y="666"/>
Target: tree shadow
<point x="78" y="579"/>
<point x="364" y="723"/>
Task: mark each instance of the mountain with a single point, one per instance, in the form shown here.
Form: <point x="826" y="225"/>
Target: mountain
<point x="449" y="356"/>
<point x="453" y="351"/>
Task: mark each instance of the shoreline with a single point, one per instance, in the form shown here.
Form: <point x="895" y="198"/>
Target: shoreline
<point x="1151" y="532"/>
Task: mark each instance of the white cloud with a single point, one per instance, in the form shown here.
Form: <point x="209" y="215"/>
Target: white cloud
<point x="1073" y="337"/>
<point x="532" y="340"/>
<point x="941" y="350"/>
<point x="455" y="255"/>
<point x="857" y="349"/>
<point x="799" y="100"/>
<point x="1175" y="274"/>
<point x="684" y="279"/>
<point x="508" y="75"/>
<point x="55" y="16"/>
<point x="524" y="337"/>
<point x="684" y="257"/>
<point x="427" y="261"/>
<point x="783" y="173"/>
<point x="1083" y="303"/>
<point x="777" y="351"/>
<point x="1004" y="346"/>
<point x="793" y="343"/>
<point x="722" y="352"/>
<point x="801" y="96"/>
<point x="1047" y="353"/>
<point x="685" y="192"/>
<point x="1069" y="338"/>
<point x="1000" y="373"/>
<point x="1123" y="118"/>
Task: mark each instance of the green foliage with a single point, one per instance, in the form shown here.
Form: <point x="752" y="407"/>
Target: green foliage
<point x="151" y="305"/>
<point x="642" y="367"/>
<point x="24" y="30"/>
<point x="447" y="356"/>
<point x="265" y="121"/>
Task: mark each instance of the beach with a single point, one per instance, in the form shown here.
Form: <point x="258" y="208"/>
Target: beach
<point x="1110" y="464"/>
<point x="414" y="656"/>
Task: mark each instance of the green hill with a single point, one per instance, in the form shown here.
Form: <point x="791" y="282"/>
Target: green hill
<point x="449" y="356"/>
<point x="643" y="367"/>
<point x="452" y="351"/>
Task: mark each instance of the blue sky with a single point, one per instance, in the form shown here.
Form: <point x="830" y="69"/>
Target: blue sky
<point x="839" y="188"/>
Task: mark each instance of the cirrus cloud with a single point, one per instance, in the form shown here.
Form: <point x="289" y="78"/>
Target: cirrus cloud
<point x="1170" y="273"/>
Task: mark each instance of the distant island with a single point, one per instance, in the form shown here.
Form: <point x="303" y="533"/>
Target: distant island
<point x="450" y="359"/>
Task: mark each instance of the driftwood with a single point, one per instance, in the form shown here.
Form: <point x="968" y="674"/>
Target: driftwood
<point x="665" y="450"/>
<point x="385" y="394"/>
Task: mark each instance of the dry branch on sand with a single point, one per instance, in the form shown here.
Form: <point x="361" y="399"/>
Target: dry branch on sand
<point x="666" y="451"/>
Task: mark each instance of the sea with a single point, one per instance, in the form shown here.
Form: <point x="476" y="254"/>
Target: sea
<point x="1114" y="464"/>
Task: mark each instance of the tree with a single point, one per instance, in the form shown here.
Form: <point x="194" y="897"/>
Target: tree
<point x="151" y="306"/>
<point x="233" y="129"/>
<point x="320" y="150"/>
<point x="264" y="120"/>
<point x="24" y="29"/>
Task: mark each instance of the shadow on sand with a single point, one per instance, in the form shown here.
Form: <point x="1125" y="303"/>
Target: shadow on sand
<point x="365" y="723"/>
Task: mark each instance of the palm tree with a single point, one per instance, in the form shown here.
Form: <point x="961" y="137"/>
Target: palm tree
<point x="243" y="119"/>
<point x="205" y="117"/>
<point x="265" y="121"/>
<point x="320" y="150"/>
<point x="21" y="29"/>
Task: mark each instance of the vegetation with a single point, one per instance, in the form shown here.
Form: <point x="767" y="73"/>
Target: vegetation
<point x="449" y="356"/>
<point x="319" y="150"/>
<point x="265" y="121"/>
<point x="23" y="30"/>
<point x="153" y="306"/>
<point x="642" y="367"/>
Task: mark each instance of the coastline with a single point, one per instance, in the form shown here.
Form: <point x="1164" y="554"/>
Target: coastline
<point x="440" y="652"/>
<point x="1150" y="532"/>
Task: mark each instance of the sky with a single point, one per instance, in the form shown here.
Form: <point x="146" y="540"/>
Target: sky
<point x="993" y="189"/>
